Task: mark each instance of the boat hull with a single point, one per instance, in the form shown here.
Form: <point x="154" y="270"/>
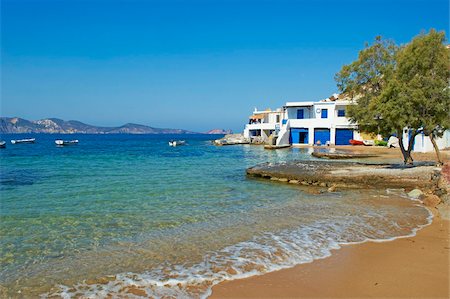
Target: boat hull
<point x="18" y="141"/>
<point x="177" y="143"/>
<point x="66" y="142"/>
<point x="356" y="142"/>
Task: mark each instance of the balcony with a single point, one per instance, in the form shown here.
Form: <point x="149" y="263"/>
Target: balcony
<point x="261" y="126"/>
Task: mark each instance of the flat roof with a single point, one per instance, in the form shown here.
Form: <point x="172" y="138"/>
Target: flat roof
<point x="308" y="104"/>
<point x="266" y="111"/>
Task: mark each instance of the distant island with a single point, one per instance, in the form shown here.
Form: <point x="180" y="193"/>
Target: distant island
<point x="219" y="131"/>
<point x="55" y="125"/>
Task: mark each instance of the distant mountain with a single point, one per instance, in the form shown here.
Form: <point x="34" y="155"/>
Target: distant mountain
<point x="55" y="125"/>
<point x="219" y="131"/>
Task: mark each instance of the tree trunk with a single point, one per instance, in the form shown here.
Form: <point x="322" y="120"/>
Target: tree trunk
<point x="407" y="159"/>
<point x="436" y="149"/>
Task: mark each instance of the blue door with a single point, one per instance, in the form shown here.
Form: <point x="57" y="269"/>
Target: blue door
<point x="343" y="136"/>
<point x="299" y="135"/>
<point x="300" y="114"/>
<point x="322" y="135"/>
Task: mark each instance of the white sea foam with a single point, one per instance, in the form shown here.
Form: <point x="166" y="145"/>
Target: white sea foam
<point x="264" y="253"/>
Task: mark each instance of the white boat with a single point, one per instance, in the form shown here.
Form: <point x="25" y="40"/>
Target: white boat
<point x="27" y="140"/>
<point x="369" y="142"/>
<point x="2" y="144"/>
<point x="176" y="142"/>
<point x="66" y="142"/>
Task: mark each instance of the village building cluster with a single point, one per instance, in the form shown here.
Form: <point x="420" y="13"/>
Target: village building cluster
<point x="319" y="123"/>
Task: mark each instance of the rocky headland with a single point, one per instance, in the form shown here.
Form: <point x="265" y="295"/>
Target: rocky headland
<point x="55" y="125"/>
<point x="219" y="131"/>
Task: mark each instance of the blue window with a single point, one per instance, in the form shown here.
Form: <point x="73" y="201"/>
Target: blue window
<point x="300" y="114"/>
<point x="324" y="113"/>
<point x="341" y="112"/>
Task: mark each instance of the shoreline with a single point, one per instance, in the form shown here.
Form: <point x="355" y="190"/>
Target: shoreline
<point x="409" y="266"/>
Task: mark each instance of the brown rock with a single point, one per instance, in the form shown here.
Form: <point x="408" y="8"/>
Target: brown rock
<point x="332" y="188"/>
<point x="136" y="291"/>
<point x="431" y="200"/>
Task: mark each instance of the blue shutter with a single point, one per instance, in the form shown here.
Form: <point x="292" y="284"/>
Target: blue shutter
<point x="341" y="112"/>
<point x="295" y="135"/>
<point x="324" y="113"/>
<point x="343" y="136"/>
<point x="300" y="114"/>
<point x="321" y="134"/>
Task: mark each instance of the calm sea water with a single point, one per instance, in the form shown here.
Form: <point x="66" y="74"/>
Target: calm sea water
<point x="127" y="215"/>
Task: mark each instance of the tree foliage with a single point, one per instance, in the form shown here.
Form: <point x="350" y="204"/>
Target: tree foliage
<point x="400" y="87"/>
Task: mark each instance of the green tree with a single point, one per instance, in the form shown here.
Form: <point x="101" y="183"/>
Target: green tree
<point x="400" y="87"/>
<point x="423" y="68"/>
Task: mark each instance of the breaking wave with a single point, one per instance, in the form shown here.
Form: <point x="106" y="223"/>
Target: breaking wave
<point x="262" y="254"/>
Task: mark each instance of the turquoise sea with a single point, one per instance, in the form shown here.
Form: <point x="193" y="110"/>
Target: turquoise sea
<point x="129" y="216"/>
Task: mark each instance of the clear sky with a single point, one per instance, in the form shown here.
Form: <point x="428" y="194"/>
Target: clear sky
<point x="195" y="65"/>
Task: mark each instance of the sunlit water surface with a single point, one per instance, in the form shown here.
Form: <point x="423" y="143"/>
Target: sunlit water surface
<point x="129" y="216"/>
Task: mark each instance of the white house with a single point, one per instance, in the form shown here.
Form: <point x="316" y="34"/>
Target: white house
<point x="323" y="122"/>
<point x="422" y="143"/>
<point x="262" y="124"/>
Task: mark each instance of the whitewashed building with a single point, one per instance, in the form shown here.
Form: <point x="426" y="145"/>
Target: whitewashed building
<point x="312" y="123"/>
<point x="262" y="124"/>
<point x="422" y="143"/>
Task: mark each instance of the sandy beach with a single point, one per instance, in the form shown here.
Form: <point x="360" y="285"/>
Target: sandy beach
<point x="408" y="267"/>
<point x="411" y="267"/>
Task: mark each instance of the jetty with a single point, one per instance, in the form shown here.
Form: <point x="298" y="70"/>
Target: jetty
<point x="274" y="147"/>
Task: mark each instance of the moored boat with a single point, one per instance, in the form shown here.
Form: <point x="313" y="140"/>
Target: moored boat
<point x="2" y="144"/>
<point x="356" y="142"/>
<point x="369" y="142"/>
<point x="176" y="142"/>
<point x="66" y="142"/>
<point x="26" y="140"/>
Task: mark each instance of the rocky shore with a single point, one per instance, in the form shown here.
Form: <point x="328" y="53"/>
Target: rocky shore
<point x="423" y="181"/>
<point x="348" y="174"/>
<point x="231" y="139"/>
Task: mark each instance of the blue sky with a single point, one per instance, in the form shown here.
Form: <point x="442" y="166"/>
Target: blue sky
<point x="195" y="65"/>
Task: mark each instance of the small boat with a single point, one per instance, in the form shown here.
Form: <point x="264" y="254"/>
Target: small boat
<point x="26" y="140"/>
<point x="274" y="147"/>
<point x="356" y="142"/>
<point x="369" y="142"/>
<point x="176" y="142"/>
<point x="61" y="142"/>
<point x="2" y="144"/>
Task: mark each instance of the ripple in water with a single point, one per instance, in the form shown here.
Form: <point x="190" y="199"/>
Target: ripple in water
<point x="126" y="215"/>
<point x="261" y="254"/>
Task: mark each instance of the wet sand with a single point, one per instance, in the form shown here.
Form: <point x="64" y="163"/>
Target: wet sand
<point x="408" y="267"/>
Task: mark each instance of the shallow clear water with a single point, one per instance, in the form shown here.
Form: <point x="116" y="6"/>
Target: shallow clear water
<point x="117" y="213"/>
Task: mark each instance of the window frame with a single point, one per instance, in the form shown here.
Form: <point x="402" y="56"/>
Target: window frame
<point x="339" y="111"/>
